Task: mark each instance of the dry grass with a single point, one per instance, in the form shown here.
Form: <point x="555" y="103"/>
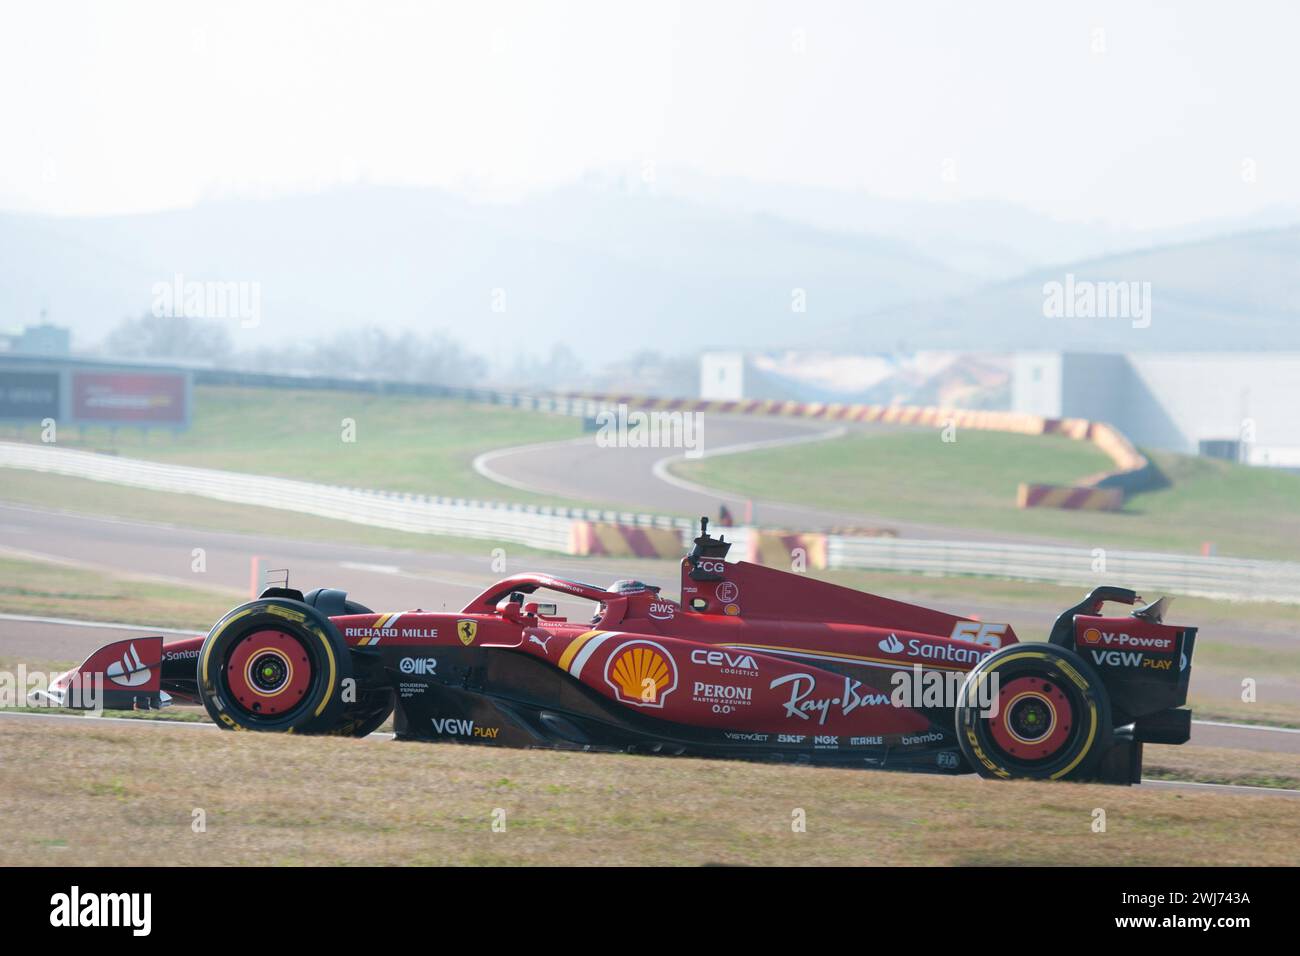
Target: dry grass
<point x="115" y="794"/>
<point x="1222" y="765"/>
<point x="58" y="590"/>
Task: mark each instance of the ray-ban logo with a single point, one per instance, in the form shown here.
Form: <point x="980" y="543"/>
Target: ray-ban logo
<point x="1084" y="299"/>
<point x="75" y="908"/>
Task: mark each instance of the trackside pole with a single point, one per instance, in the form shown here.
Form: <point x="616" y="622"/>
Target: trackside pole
<point x="253" y="563"/>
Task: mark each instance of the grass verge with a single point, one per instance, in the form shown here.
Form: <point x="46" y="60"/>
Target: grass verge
<point x="400" y="443"/>
<point x="971" y="483"/>
<point x="136" y="504"/>
<point x="54" y="590"/>
<point x="322" y="801"/>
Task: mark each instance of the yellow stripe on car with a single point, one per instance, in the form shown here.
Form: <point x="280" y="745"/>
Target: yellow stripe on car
<point x="571" y="651"/>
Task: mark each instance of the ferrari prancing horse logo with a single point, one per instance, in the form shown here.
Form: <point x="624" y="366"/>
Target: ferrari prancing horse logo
<point x="466" y="631"/>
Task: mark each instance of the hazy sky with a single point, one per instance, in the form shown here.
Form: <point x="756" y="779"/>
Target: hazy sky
<point x="1139" y="113"/>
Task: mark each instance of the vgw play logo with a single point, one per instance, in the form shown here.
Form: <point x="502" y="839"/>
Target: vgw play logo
<point x="76" y="909"/>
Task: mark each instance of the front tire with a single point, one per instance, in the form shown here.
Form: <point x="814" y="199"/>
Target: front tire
<point x="276" y="665"/>
<point x="1052" y="720"/>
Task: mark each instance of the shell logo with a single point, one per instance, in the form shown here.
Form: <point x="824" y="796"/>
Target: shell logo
<point x="1091" y="636"/>
<point x="641" y="673"/>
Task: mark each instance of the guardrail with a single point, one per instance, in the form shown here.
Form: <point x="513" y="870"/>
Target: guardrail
<point x="536" y="526"/>
<point x="569" y="531"/>
<point x="1148" y="572"/>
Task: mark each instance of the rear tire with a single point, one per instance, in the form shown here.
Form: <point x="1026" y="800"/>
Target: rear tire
<point x="1052" y="719"/>
<point x="276" y="665"/>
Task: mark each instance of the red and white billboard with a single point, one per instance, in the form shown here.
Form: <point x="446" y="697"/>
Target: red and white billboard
<point x="130" y="398"/>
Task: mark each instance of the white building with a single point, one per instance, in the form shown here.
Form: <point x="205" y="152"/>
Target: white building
<point x="1173" y="401"/>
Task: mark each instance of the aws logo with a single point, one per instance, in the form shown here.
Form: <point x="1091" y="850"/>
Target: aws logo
<point x="641" y="673"/>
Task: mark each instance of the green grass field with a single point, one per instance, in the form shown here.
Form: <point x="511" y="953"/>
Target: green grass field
<point x="119" y="501"/>
<point x="411" y="444"/>
<point x="971" y="483"/>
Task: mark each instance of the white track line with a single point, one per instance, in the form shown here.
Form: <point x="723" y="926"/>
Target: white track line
<point x="660" y="467"/>
<point x="482" y="462"/>
<point x="36" y="714"/>
<point x="1274" y="791"/>
<point x="107" y="625"/>
<point x="1276" y="730"/>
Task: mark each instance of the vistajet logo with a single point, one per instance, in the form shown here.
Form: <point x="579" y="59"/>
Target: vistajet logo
<point x="75" y="909"/>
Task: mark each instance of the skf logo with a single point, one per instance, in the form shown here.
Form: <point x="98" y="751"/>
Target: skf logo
<point x="130" y="671"/>
<point x="642" y="673"/>
<point x="467" y="631"/>
<point x="1092" y="636"/>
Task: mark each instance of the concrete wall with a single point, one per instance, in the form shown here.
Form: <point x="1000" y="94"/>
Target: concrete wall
<point x="1171" y="401"/>
<point x="1177" y="400"/>
<point x="722" y="376"/>
<point x="1036" y="383"/>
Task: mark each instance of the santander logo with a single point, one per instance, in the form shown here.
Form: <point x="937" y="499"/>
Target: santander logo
<point x="130" y="671"/>
<point x="891" y="645"/>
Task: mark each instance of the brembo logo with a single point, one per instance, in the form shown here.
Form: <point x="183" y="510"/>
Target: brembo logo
<point x="130" y="671"/>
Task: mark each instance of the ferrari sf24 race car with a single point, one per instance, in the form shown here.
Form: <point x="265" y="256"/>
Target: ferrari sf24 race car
<point x="751" y="663"/>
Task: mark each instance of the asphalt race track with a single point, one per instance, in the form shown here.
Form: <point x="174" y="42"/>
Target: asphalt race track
<point x="380" y="578"/>
<point x="636" y="479"/>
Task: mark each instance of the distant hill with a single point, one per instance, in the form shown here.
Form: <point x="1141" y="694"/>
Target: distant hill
<point x="1237" y="292"/>
<point x="608" y="271"/>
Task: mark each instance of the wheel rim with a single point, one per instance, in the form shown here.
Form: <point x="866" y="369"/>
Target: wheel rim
<point x="268" y="673"/>
<point x="1034" y="721"/>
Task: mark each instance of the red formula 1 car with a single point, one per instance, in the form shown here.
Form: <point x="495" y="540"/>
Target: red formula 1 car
<point x="751" y="663"/>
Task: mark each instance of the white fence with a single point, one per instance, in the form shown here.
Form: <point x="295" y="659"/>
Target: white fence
<point x="549" y="529"/>
<point x="1148" y="573"/>
<point x="537" y="527"/>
